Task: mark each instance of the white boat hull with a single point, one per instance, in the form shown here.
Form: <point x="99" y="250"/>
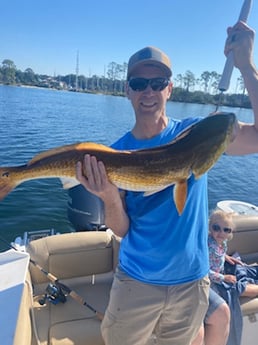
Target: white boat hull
<point x="13" y="272"/>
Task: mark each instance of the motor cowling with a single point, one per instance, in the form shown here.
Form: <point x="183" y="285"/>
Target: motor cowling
<point x="85" y="210"/>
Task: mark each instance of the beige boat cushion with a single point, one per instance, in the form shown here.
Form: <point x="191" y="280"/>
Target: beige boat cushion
<point x="73" y="255"/>
<point x="85" y="262"/>
<point x="84" y="332"/>
<point x="245" y="238"/>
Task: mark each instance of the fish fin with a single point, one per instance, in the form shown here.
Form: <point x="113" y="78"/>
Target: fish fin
<point x="180" y="194"/>
<point x="94" y="146"/>
<point x="69" y="182"/>
<point x="7" y="184"/>
<point x="198" y="174"/>
<point x="151" y="192"/>
<point x="51" y="152"/>
<point x="77" y="147"/>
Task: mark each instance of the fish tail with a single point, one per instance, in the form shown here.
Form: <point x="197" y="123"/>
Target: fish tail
<point x="7" y="183"/>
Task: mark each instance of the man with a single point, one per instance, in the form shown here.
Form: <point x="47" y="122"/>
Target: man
<point x="161" y="281"/>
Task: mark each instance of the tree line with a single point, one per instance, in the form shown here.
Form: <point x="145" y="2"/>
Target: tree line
<point x="187" y="88"/>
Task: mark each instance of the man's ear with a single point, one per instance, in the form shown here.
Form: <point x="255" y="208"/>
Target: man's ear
<point x="170" y="89"/>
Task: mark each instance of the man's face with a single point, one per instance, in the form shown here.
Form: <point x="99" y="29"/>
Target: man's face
<point x="149" y="101"/>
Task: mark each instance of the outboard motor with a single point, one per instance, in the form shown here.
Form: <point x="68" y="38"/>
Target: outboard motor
<point x="85" y="210"/>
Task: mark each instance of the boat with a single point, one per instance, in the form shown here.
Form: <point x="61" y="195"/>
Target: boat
<point x="239" y="207"/>
<point x="56" y="286"/>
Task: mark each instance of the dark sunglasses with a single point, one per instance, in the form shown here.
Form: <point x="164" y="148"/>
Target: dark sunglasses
<point x="141" y="84"/>
<point x="217" y="228"/>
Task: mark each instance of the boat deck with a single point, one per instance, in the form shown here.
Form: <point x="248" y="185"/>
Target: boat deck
<point x="85" y="262"/>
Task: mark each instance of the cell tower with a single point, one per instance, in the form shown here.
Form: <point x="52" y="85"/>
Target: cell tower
<point x="77" y="71"/>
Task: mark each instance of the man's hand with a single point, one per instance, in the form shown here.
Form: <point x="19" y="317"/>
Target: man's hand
<point x="240" y="40"/>
<point x="92" y="175"/>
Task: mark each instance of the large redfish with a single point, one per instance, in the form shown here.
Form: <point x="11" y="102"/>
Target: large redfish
<point x="195" y="151"/>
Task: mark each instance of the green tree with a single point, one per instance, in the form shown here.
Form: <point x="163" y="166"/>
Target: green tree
<point x="213" y="82"/>
<point x="205" y="78"/>
<point x="111" y="72"/>
<point x="8" y="71"/>
<point x="179" y="80"/>
<point x="30" y="77"/>
<point x="189" y="80"/>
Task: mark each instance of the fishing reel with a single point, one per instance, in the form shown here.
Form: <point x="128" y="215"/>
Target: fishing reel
<point x="54" y="295"/>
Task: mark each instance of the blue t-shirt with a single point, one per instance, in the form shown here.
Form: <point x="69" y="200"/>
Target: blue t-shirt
<point x="160" y="246"/>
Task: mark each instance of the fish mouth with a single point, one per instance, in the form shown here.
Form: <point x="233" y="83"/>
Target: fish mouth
<point x="234" y="123"/>
<point x="235" y="130"/>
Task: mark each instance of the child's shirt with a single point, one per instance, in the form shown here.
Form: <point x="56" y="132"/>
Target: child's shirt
<point x="217" y="254"/>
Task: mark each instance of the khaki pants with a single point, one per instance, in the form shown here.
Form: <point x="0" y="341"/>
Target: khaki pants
<point x="137" y="310"/>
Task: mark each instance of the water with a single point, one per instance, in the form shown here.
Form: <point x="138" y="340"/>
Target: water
<point x="34" y="120"/>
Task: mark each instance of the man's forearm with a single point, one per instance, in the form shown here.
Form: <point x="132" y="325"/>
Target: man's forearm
<point x="115" y="216"/>
<point x="250" y="76"/>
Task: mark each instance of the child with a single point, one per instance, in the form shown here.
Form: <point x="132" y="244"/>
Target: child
<point x="221" y="227"/>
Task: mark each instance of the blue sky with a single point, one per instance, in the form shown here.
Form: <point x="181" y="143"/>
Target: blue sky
<point x="45" y="35"/>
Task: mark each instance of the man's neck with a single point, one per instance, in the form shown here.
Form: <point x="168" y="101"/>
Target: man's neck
<point x="149" y="129"/>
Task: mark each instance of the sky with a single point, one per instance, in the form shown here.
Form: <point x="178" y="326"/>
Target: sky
<point x="46" y="35"/>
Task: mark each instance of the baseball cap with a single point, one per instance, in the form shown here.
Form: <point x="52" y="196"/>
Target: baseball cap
<point x="149" y="55"/>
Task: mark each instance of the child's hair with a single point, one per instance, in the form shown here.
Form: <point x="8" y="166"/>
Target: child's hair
<point x="226" y="216"/>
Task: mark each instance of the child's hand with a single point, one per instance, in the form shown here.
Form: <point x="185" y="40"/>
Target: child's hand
<point x="229" y="278"/>
<point x="233" y="261"/>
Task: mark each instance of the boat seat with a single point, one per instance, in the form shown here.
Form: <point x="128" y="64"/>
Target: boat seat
<point x="85" y="262"/>
<point x="245" y="242"/>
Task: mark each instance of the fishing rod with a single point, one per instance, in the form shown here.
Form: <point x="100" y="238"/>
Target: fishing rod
<point x="61" y="286"/>
<point x="229" y="64"/>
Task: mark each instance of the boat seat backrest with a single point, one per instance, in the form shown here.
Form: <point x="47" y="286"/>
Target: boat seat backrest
<point x="78" y="254"/>
<point x="245" y="238"/>
<point x="85" y="262"/>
